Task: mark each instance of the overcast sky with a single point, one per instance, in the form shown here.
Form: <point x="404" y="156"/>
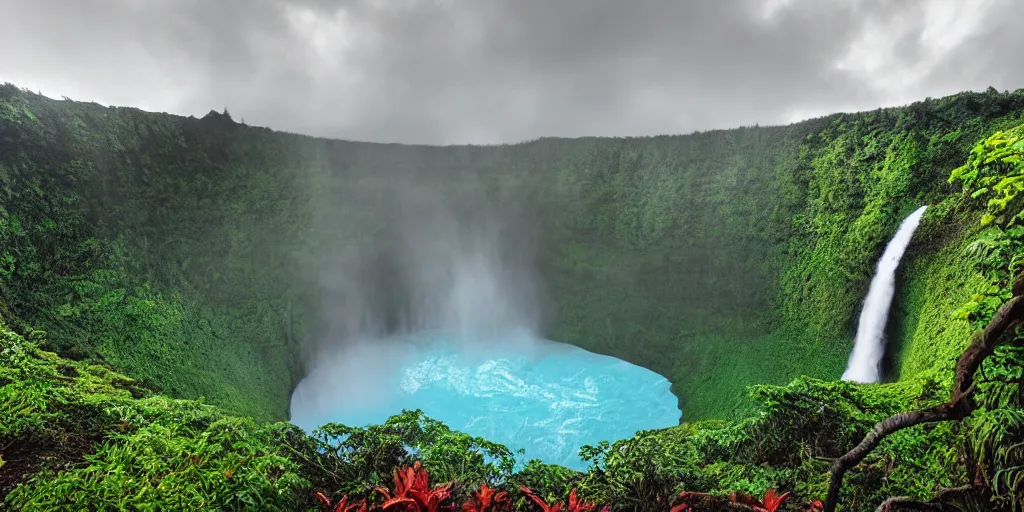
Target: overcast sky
<point x="489" y="71"/>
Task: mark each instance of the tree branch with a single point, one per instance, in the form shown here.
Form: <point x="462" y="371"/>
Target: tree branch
<point x="959" y="405"/>
<point x="906" y="504"/>
<point x="903" y="503"/>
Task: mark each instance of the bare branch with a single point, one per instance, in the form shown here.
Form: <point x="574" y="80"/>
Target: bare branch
<point x="906" y="504"/>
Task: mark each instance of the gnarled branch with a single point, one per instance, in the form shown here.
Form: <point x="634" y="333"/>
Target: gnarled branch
<point x="959" y="404"/>
<point x="904" y="504"/>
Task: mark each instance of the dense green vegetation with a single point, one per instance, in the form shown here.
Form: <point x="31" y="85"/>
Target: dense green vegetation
<point x="158" y="242"/>
<point x="80" y="435"/>
<point x="166" y="258"/>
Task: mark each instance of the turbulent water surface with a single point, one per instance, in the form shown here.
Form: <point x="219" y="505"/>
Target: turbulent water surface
<point x="545" y="397"/>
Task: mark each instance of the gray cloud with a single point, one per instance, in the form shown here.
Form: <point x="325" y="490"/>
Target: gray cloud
<point x="465" y="71"/>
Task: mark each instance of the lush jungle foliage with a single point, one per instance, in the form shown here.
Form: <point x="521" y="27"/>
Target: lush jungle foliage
<point x="994" y="175"/>
<point x="77" y="435"/>
<point x="158" y="242"/>
<point x="172" y="263"/>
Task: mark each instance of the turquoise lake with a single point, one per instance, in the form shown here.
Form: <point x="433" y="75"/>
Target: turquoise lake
<point x="545" y="397"/>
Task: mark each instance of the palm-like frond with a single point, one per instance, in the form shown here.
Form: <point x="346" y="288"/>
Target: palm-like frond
<point x="997" y="441"/>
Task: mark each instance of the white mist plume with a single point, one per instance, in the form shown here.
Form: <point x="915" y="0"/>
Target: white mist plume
<point x="869" y="347"/>
<point x="465" y="269"/>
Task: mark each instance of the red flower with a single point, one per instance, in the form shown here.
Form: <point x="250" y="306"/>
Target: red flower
<point x="412" y="492"/>
<point x="575" y="505"/>
<point x="536" y="499"/>
<point x="486" y="497"/>
<point x="772" y="500"/>
<point x="343" y="505"/>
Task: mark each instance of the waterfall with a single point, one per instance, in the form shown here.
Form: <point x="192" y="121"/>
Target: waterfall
<point x="869" y="347"/>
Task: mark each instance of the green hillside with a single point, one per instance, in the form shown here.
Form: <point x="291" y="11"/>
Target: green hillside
<point x="161" y="243"/>
<point x="187" y="254"/>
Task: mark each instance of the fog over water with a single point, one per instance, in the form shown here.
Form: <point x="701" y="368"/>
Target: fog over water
<point x="445" y="313"/>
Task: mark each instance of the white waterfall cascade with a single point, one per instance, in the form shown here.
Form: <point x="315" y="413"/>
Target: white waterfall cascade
<point x="865" y="364"/>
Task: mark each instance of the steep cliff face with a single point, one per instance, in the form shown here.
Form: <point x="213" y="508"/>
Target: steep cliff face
<point x="195" y="254"/>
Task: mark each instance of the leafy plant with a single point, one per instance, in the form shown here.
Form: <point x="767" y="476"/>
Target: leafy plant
<point x="352" y="459"/>
<point x="687" y="499"/>
<point x="487" y="499"/>
<point x="412" y="492"/>
<point x="995" y="170"/>
<point x="769" y="503"/>
<point x="343" y="504"/>
<point x="771" y="500"/>
<point x="573" y="505"/>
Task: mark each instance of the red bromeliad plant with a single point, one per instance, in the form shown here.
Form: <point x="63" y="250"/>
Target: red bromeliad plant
<point x="343" y="505"/>
<point x="487" y="499"/>
<point x="574" y="504"/>
<point x="557" y="507"/>
<point x="770" y="503"/>
<point x="772" y="500"/>
<point x="413" y="493"/>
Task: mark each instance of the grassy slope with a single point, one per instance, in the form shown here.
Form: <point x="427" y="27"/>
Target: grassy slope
<point x="719" y="259"/>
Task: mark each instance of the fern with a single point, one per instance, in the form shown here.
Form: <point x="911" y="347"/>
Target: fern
<point x="997" y="440"/>
<point x="994" y="173"/>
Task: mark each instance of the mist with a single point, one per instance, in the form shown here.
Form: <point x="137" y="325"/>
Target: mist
<point x="440" y="261"/>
